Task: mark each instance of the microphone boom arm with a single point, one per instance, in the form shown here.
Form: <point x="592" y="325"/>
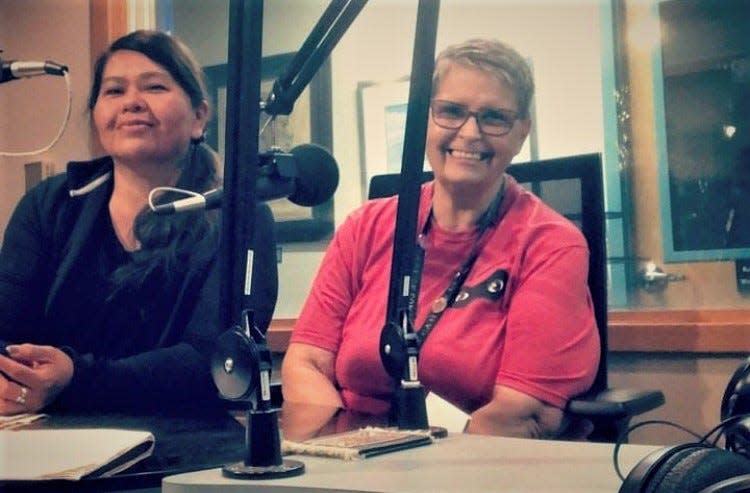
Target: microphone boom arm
<point x="327" y="32"/>
<point x="408" y="406"/>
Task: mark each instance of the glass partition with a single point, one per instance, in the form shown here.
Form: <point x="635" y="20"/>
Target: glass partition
<point x="702" y="84"/>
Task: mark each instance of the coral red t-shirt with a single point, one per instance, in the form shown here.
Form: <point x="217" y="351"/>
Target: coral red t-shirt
<point x="524" y="320"/>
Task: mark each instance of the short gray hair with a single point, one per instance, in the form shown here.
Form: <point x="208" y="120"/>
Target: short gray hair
<point x="495" y="58"/>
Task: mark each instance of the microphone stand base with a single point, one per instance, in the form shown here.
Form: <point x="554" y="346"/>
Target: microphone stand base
<point x="263" y="460"/>
<point x="410" y="408"/>
<point x="286" y="469"/>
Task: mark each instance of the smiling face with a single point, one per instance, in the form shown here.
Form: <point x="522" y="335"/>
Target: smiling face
<point x="466" y="160"/>
<point x="142" y="115"/>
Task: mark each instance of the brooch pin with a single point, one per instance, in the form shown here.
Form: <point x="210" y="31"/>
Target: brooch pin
<point x="495" y="286"/>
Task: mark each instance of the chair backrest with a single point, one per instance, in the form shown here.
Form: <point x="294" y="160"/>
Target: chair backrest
<point x="572" y="186"/>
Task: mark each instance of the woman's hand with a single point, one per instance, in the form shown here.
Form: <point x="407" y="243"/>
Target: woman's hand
<point x="31" y="377"/>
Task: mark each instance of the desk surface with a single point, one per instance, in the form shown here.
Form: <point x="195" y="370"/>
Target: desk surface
<point x="465" y="463"/>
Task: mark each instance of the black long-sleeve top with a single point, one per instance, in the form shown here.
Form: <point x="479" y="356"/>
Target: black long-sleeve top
<point x="145" y="349"/>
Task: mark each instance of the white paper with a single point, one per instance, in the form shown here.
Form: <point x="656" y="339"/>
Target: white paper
<point x="66" y="453"/>
<point x="17" y="420"/>
<point x="442" y="413"/>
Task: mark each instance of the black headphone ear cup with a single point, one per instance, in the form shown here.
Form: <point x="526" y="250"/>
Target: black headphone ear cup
<point x="736" y="399"/>
<point x="640" y="478"/>
<point x="737" y="437"/>
<point x="737" y="484"/>
<point x="685" y="468"/>
<point x="694" y="470"/>
<point x="735" y="403"/>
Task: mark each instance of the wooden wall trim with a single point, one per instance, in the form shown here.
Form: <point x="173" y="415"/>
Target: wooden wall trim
<point x="691" y="331"/>
<point x="109" y="21"/>
<point x="279" y="333"/>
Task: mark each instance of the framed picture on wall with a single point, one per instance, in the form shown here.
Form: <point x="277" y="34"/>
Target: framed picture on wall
<point x="309" y="122"/>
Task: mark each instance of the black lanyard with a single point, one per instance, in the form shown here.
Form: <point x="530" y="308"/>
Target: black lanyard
<point x="489" y="218"/>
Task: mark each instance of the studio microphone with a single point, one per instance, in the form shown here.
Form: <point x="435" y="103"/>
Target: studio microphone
<point x="15" y="69"/>
<point x="307" y="176"/>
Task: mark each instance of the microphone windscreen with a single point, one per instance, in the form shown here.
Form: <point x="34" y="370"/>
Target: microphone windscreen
<point x="317" y="175"/>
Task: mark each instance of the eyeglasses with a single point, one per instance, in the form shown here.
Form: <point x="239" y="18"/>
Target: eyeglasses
<point x="450" y="115"/>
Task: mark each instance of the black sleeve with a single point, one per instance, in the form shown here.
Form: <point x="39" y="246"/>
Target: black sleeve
<point x="176" y="377"/>
<point x="26" y="267"/>
<point x="173" y="377"/>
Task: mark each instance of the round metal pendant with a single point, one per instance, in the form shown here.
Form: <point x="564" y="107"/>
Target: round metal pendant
<point x="439" y="305"/>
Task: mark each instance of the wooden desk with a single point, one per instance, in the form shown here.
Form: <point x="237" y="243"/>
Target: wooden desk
<point x="465" y="463"/>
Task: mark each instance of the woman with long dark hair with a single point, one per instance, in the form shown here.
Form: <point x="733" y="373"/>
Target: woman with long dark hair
<point x="105" y="305"/>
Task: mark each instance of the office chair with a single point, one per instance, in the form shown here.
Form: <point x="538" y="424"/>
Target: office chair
<point x="573" y="186"/>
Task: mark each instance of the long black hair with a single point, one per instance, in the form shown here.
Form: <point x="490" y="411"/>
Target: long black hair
<point x="166" y="242"/>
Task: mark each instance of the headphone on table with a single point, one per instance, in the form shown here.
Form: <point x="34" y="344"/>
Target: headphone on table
<point x="703" y="467"/>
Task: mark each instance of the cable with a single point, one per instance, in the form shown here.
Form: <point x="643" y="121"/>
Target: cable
<point x="719" y="430"/>
<point x="156" y="190"/>
<point x="59" y="133"/>
<point x="624" y="435"/>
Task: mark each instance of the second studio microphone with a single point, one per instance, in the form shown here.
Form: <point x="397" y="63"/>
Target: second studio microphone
<point x="16" y="69"/>
<point x="307" y="176"/>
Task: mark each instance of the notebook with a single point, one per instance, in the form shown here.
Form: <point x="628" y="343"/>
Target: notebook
<point x="70" y="454"/>
<point x="358" y="444"/>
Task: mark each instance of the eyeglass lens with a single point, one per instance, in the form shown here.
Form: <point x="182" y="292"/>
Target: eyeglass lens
<point x="448" y="114"/>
